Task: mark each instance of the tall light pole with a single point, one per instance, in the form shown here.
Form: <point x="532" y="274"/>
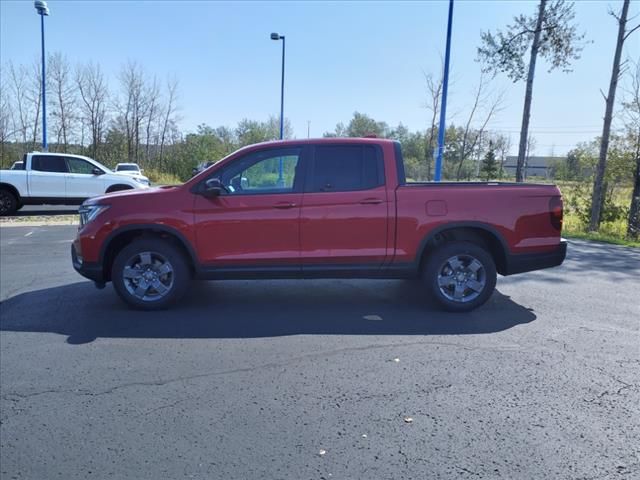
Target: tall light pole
<point x="43" y="10"/>
<point x="275" y="36"/>
<point x="443" y="103"/>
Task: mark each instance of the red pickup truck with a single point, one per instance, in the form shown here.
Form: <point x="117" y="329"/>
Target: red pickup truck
<point x="328" y="208"/>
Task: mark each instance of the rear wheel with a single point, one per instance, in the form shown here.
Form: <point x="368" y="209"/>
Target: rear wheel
<point x="460" y="275"/>
<point x="8" y="202"/>
<point x="150" y="274"/>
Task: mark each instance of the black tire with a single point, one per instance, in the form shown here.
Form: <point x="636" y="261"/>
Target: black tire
<point x="132" y="262"/>
<point x="118" y="188"/>
<point x="463" y="288"/>
<point x="8" y="202"/>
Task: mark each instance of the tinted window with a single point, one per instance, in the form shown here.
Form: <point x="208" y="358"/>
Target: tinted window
<point x="128" y="168"/>
<point x="346" y="167"/>
<point x="48" y="163"/>
<point x="77" y="165"/>
<point x="272" y="171"/>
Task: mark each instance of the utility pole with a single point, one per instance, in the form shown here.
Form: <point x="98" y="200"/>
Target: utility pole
<point x="443" y="103"/>
<point x="43" y="10"/>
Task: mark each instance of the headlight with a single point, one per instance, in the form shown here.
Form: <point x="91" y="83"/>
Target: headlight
<point x="142" y="180"/>
<point x="90" y="212"/>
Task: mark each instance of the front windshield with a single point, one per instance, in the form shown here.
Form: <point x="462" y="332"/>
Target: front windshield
<point x="128" y="168"/>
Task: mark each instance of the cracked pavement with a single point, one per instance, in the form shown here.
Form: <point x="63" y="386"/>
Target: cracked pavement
<point x="252" y="379"/>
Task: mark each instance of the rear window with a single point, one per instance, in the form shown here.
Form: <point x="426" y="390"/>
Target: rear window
<point x="120" y="168"/>
<point x="48" y="163"/>
<point x="346" y="168"/>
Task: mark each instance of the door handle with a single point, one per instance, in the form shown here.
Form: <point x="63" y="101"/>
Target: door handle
<point x="370" y="201"/>
<point x="284" y="205"/>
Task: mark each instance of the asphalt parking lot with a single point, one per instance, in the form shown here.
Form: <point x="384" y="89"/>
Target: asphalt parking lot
<point x="255" y="379"/>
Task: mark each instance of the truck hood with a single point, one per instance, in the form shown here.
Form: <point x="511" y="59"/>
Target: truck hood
<point x="130" y="195"/>
<point x="133" y="175"/>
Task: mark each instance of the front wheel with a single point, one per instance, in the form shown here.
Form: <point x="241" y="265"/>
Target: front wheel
<point x="460" y="276"/>
<point x="150" y="274"/>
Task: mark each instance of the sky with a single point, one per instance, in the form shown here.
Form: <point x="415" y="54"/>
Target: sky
<point x="341" y="57"/>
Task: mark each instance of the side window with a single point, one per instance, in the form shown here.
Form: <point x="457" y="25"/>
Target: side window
<point x="272" y="171"/>
<point x="77" y="165"/>
<point x="48" y="163"/>
<point x="346" y="168"/>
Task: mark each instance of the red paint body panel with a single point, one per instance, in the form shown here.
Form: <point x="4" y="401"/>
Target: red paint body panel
<point x="345" y="227"/>
<point x="382" y="226"/>
<point x="248" y="229"/>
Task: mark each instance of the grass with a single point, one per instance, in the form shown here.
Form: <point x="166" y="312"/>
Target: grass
<point x="610" y="232"/>
<point x="162" y="178"/>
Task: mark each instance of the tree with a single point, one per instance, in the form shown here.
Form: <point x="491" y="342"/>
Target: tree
<point x="18" y="79"/>
<point x="434" y="94"/>
<point x="598" y="184"/>
<point x="360" y="125"/>
<point x="63" y="103"/>
<point x="550" y="34"/>
<point x="94" y="95"/>
<point x="472" y="137"/>
<point x="632" y="110"/>
<point x="489" y="167"/>
<point x="169" y="113"/>
<point x="132" y="106"/>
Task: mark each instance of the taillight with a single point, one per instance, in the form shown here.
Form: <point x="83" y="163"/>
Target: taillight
<point x="555" y="212"/>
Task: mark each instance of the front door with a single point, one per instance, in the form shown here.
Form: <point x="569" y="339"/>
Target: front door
<point x="256" y="222"/>
<point x="344" y="217"/>
<point x="81" y="181"/>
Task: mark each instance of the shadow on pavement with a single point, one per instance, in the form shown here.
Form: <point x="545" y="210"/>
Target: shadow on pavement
<point x="45" y="213"/>
<point x="251" y="309"/>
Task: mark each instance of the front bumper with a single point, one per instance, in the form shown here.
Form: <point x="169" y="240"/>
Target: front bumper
<point x="92" y="271"/>
<point x="526" y="262"/>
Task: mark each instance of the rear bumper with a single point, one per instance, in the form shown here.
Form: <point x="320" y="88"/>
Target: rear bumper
<point x="92" y="271"/>
<point x="527" y="262"/>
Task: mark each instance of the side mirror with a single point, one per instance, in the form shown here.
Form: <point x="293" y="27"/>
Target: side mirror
<point x="213" y="188"/>
<point x="97" y="171"/>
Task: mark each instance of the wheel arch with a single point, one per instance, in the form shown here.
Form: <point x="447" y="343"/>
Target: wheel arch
<point x="118" y="187"/>
<point x="476" y="232"/>
<point x="123" y="236"/>
<point x="13" y="190"/>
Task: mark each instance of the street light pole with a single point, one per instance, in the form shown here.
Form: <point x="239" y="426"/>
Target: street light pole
<point x="276" y="36"/>
<point x="443" y="103"/>
<point x="43" y="10"/>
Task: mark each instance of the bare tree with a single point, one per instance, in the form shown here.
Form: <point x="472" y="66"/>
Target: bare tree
<point x="502" y="144"/>
<point x="471" y="137"/>
<point x="133" y="106"/>
<point x="18" y="80"/>
<point x="168" y="114"/>
<point x="550" y="34"/>
<point x="434" y="93"/>
<point x="64" y="97"/>
<point x="597" y="197"/>
<point x="34" y="97"/>
<point x="631" y="105"/>
<point x="94" y="96"/>
<point x="153" y="107"/>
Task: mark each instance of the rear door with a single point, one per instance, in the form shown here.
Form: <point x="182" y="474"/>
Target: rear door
<point x="256" y="223"/>
<point x="344" y="216"/>
<point x="81" y="181"/>
<point x="47" y="177"/>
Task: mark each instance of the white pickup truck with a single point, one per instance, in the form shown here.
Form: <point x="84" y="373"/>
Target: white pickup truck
<point x="60" y="179"/>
